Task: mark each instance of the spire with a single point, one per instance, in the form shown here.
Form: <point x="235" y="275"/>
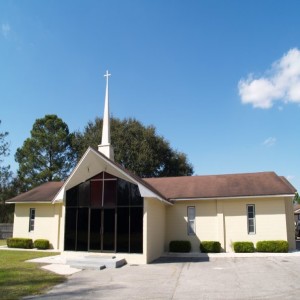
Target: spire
<point x="105" y="146"/>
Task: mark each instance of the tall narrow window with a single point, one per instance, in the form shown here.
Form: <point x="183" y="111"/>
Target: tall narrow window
<point x="31" y="219"/>
<point x="251" y="218"/>
<point x="191" y="213"/>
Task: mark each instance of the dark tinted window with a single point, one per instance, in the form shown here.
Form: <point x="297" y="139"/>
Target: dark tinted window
<point x="136" y="230"/>
<point x="136" y="199"/>
<point x="82" y="229"/>
<point x="96" y="193"/>
<point x="123" y="229"/>
<point x="72" y="196"/>
<point x="84" y="194"/>
<point x="110" y="193"/>
<point x="123" y="193"/>
<point x="70" y="229"/>
<point x="104" y="213"/>
<point x="95" y="229"/>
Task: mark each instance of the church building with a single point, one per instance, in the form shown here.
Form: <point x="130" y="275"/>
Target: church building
<point x="104" y="208"/>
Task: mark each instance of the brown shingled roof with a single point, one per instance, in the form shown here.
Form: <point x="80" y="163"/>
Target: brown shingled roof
<point x="186" y="187"/>
<point x="219" y="186"/>
<point x="43" y="193"/>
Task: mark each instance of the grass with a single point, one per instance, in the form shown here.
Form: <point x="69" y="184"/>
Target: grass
<point x="19" y="278"/>
<point x="2" y="242"/>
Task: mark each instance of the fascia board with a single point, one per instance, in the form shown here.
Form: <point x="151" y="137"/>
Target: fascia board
<point x="236" y="197"/>
<point x="145" y="192"/>
<point x="59" y="196"/>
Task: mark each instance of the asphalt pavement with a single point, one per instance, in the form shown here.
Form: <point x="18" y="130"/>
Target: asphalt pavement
<point x="274" y="277"/>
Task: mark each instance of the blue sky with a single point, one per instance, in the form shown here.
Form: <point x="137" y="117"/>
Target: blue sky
<point x="220" y="80"/>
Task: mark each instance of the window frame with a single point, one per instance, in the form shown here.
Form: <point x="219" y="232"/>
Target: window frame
<point x="251" y="219"/>
<point x="191" y="223"/>
<point x="32" y="212"/>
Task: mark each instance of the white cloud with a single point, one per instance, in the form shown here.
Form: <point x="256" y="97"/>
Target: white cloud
<point x="5" y="29"/>
<point x="281" y="83"/>
<point x="270" y="141"/>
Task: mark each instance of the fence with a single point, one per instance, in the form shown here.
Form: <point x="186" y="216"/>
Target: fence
<point x="6" y="231"/>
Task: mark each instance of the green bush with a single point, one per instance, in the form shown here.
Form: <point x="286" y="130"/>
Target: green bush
<point x="243" y="247"/>
<point x="210" y="247"/>
<point x="272" y="246"/>
<point x="180" y="246"/>
<point x="41" y="244"/>
<point x="19" y="243"/>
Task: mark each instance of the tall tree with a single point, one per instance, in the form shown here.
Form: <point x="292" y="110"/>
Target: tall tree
<point x="6" y="191"/>
<point x="4" y="146"/>
<point x="297" y="198"/>
<point x="47" y="155"/>
<point x="138" y="148"/>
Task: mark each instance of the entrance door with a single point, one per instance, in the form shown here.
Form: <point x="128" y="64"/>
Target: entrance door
<point x="102" y="229"/>
<point x="95" y="229"/>
<point x="108" y="230"/>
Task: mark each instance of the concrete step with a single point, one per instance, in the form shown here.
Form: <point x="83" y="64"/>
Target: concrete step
<point x="95" y="262"/>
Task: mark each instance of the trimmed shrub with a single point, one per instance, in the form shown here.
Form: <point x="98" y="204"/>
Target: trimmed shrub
<point x="272" y="246"/>
<point x="180" y="246"/>
<point x="243" y="247"/>
<point x="41" y="244"/>
<point x="210" y="247"/>
<point x="19" y="243"/>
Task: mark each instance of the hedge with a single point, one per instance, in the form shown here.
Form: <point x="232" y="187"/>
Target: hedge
<point x="41" y="244"/>
<point x="180" y="246"/>
<point x="210" y="247"/>
<point x="272" y="246"/>
<point x="19" y="243"/>
<point x="243" y="247"/>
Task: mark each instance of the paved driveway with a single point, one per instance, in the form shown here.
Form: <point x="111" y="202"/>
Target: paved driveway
<point x="218" y="278"/>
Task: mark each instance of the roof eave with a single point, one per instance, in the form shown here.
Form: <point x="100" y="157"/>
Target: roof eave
<point x="113" y="165"/>
<point x="231" y="197"/>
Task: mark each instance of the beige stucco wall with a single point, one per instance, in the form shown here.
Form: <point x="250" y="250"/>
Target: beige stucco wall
<point x="154" y="228"/>
<point x="219" y="220"/>
<point x="206" y="222"/>
<point x="226" y="221"/>
<point x="270" y="220"/>
<point x="47" y="222"/>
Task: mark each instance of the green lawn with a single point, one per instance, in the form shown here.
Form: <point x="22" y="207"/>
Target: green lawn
<point x="19" y="278"/>
<point x="2" y="242"/>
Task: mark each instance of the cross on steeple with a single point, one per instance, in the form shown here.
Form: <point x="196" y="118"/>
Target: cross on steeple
<point x="107" y="75"/>
<point x="105" y="146"/>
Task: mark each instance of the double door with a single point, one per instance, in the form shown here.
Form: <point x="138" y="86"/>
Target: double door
<point x="102" y="229"/>
<point x="90" y="229"/>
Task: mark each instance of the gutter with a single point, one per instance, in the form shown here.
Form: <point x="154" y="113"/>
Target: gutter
<point x="232" y="197"/>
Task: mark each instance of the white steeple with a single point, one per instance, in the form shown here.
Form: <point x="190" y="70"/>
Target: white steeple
<point x="105" y="147"/>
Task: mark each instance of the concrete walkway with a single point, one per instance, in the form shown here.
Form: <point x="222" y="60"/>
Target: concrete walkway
<point x="70" y="263"/>
<point x="273" y="277"/>
<point x="189" y="276"/>
<point x="67" y="264"/>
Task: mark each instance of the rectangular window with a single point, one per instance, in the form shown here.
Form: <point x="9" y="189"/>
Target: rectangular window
<point x="31" y="219"/>
<point x="251" y="218"/>
<point x="191" y="214"/>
